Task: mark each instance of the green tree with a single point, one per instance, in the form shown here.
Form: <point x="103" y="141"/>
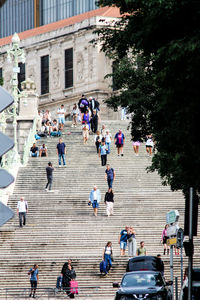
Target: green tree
<point x="156" y="48"/>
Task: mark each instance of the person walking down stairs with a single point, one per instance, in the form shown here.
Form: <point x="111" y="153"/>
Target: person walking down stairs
<point x="119" y="142"/>
<point x="22" y="210"/>
<point x="109" y="201"/>
<point x="103" y="152"/>
<point x="61" y="151"/>
<point x="34" y="279"/>
<point x="94" y="199"/>
<point x="49" y="171"/>
<point x="109" y="175"/>
<point x="68" y="274"/>
<point x="108" y="256"/>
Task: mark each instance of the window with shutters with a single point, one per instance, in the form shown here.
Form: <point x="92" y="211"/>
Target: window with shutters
<point x="69" y="68"/>
<point x="45" y="74"/>
<point x="21" y="75"/>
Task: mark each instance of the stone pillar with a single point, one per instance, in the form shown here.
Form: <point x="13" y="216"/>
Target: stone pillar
<point x="28" y="105"/>
<point x="28" y="111"/>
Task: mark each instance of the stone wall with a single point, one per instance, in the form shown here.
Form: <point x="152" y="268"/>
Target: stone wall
<point x="89" y="65"/>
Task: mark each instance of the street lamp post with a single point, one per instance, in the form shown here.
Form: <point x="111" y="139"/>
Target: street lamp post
<point x="14" y="54"/>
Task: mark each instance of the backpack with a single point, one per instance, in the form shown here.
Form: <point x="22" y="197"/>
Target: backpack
<point x="59" y="282"/>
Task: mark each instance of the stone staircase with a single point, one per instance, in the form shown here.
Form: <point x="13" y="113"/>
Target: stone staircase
<point x="61" y="225"/>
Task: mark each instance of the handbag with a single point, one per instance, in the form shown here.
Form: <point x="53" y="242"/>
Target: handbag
<point x="111" y="256"/>
<point x="130" y="239"/>
<point x="73" y="287"/>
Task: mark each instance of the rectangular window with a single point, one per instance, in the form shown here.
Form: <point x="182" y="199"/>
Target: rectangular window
<point x="21" y="75"/>
<point x="69" y="68"/>
<point x="45" y="74"/>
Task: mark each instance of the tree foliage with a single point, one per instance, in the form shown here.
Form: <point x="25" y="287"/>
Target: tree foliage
<point x="156" y="47"/>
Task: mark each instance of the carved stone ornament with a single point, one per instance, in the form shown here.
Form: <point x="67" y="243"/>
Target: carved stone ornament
<point x="55" y="74"/>
<point x="80" y="67"/>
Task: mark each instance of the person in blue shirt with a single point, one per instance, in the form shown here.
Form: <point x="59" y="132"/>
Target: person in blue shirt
<point x="61" y="151"/>
<point x="34" y="279"/>
<point x="123" y="237"/>
<point x="103" y="152"/>
<point x="109" y="175"/>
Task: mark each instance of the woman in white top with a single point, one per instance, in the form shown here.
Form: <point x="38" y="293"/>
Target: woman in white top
<point x="108" y="138"/>
<point x="107" y="255"/>
<point x="149" y="144"/>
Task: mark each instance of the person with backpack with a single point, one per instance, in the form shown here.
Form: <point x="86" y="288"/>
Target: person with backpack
<point x="68" y="274"/>
<point x="83" y="105"/>
<point x="93" y="105"/>
<point x="109" y="175"/>
<point x="109" y="201"/>
<point x="103" y="152"/>
<point x="22" y="210"/>
<point x="34" y="279"/>
<point x="108" y="256"/>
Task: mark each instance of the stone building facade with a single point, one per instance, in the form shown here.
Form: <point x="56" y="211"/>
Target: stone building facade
<point x="89" y="65"/>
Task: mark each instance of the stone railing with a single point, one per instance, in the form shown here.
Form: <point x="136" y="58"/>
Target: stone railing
<point x="28" y="143"/>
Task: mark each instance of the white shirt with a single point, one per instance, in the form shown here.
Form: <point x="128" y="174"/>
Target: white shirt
<point x="108" y="138"/>
<point x="61" y="112"/>
<point x="22" y="206"/>
<point x="94" y="195"/>
<point x="108" y="250"/>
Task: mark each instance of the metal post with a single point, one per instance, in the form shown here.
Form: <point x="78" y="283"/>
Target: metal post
<point x="171" y="269"/>
<point x="190" y="258"/>
<point x="176" y="287"/>
<point x="182" y="261"/>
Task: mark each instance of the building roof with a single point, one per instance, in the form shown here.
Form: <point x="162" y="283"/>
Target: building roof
<point x="103" y="11"/>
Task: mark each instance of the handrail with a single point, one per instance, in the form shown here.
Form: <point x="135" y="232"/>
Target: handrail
<point x="18" y="293"/>
<point x="28" y="143"/>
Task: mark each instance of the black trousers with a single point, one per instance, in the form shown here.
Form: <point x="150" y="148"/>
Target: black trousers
<point x="103" y="159"/>
<point x="49" y="183"/>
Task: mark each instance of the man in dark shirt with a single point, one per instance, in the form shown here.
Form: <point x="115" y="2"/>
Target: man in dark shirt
<point x="109" y="175"/>
<point x="61" y="151"/>
<point x="34" y="151"/>
<point x="49" y="171"/>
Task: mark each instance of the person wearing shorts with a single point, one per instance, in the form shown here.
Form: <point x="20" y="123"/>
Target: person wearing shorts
<point x="34" y="278"/>
<point x="123" y="237"/>
<point x="61" y="116"/>
<point x="149" y="144"/>
<point x="136" y="145"/>
<point x="164" y="239"/>
<point x="94" y="199"/>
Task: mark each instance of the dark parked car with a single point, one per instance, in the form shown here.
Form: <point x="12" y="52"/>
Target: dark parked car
<point x="143" y="285"/>
<point x="145" y="263"/>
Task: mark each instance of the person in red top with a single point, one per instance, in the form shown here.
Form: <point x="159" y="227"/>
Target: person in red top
<point x="119" y="142"/>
